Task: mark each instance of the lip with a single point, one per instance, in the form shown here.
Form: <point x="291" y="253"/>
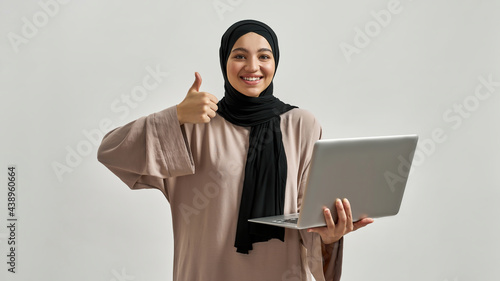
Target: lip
<point x="252" y="82"/>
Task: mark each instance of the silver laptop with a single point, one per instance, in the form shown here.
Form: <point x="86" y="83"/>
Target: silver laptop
<point x="371" y="172"/>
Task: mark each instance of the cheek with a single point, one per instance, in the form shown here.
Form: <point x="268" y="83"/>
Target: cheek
<point x="232" y="70"/>
<point x="269" y="71"/>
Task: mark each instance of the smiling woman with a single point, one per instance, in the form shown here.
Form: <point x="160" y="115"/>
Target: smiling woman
<point x="220" y="163"/>
<point x="250" y="67"/>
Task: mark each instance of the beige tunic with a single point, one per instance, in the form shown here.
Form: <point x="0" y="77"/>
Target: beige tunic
<point x="200" y="170"/>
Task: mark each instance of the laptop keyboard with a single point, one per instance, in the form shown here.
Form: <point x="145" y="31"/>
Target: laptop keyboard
<point x="293" y="220"/>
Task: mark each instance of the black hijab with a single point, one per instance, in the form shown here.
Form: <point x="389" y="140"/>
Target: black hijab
<point x="266" y="167"/>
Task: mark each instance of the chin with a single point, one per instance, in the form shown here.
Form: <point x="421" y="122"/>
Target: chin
<point x="249" y="93"/>
<point x="253" y="95"/>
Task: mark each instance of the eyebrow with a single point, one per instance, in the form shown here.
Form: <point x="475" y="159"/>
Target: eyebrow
<point x="246" y="51"/>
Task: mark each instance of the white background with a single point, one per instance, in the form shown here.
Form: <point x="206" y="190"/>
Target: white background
<point x="66" y="70"/>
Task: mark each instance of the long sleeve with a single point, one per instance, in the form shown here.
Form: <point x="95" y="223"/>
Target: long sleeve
<point x="155" y="152"/>
<point x="324" y="261"/>
<point x="332" y="256"/>
<point x="146" y="151"/>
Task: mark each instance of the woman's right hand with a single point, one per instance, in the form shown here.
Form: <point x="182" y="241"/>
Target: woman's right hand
<point x="197" y="107"/>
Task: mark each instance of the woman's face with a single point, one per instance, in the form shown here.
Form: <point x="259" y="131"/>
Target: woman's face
<point x="250" y="66"/>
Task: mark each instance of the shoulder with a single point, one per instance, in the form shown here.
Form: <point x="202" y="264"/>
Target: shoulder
<point x="300" y="117"/>
<point x="300" y="122"/>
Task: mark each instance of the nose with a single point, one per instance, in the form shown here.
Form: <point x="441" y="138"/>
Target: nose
<point x="253" y="65"/>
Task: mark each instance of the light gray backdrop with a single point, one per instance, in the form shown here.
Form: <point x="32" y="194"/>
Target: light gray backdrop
<point x="72" y="70"/>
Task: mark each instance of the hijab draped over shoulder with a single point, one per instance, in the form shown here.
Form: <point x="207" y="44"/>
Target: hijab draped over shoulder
<point x="266" y="166"/>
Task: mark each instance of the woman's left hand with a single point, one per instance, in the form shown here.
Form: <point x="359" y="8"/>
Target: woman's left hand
<point x="332" y="232"/>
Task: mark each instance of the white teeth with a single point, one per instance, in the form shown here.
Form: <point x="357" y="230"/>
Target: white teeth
<point x="251" y="78"/>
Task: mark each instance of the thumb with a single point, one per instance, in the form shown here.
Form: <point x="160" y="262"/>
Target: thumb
<point x="197" y="83"/>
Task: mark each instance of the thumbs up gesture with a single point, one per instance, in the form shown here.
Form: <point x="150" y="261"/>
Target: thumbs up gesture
<point x="197" y="107"/>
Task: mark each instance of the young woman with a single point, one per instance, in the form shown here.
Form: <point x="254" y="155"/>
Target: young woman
<point x="219" y="163"/>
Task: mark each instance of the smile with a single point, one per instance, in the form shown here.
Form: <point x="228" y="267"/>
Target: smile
<point x="251" y="78"/>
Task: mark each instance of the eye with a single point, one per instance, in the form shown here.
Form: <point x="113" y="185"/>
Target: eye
<point x="265" y="57"/>
<point x="239" y="57"/>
